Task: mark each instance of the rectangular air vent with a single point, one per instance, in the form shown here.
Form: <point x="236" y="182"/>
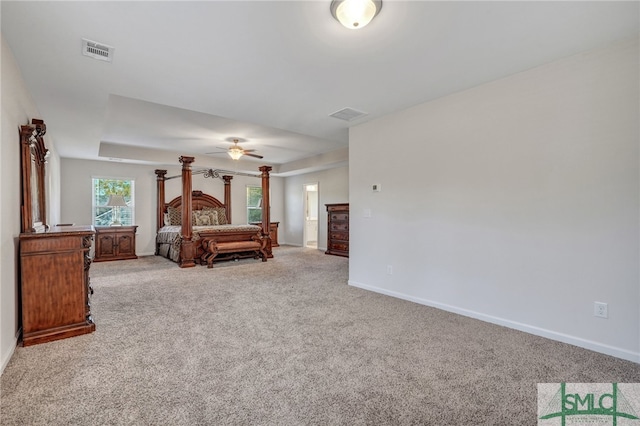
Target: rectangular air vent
<point x="96" y="50"/>
<point x="348" y="114"/>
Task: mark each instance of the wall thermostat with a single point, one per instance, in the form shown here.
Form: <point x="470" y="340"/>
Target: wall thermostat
<point x="376" y="187"/>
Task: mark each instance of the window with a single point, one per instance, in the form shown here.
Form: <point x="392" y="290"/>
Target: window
<point x="254" y="203"/>
<point x="104" y="215"/>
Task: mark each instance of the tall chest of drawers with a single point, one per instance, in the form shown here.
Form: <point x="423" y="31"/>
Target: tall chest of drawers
<point x="338" y="229"/>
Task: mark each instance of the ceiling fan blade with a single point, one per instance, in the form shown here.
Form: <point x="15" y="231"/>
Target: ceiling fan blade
<point x="217" y="152"/>
<point x="253" y="155"/>
<point x="249" y="150"/>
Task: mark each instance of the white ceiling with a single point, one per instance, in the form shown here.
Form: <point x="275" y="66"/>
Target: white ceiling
<point x="188" y="76"/>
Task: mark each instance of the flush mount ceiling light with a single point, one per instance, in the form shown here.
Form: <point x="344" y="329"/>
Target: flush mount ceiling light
<point x="355" y="14"/>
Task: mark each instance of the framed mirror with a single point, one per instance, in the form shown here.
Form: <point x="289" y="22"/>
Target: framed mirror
<point x="33" y="158"/>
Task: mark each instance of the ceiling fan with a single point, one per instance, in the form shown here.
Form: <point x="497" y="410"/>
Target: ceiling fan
<point x="236" y="151"/>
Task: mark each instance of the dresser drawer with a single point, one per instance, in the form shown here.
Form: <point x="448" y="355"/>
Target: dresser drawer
<point x="342" y="208"/>
<point x="339" y="246"/>
<point x="340" y="216"/>
<point x="339" y="236"/>
<point x="339" y="226"/>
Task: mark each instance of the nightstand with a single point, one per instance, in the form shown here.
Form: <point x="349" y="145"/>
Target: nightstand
<point x="115" y="243"/>
<point x="273" y="232"/>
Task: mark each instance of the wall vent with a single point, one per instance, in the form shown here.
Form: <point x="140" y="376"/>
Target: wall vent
<point x="96" y="50"/>
<point x="348" y="114"/>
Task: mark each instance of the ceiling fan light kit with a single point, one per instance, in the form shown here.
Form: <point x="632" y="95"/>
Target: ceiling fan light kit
<point x="236" y="152"/>
<point x="355" y="14"/>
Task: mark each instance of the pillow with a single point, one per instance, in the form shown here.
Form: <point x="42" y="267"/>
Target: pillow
<point x="175" y="215"/>
<point x="194" y="213"/>
<point x="214" y="217"/>
<point x="201" y="218"/>
<point x="167" y="219"/>
<point x="222" y="214"/>
<point x="205" y="218"/>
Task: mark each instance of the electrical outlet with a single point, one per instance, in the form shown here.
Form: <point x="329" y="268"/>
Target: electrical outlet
<point x="600" y="309"/>
<point x="389" y="269"/>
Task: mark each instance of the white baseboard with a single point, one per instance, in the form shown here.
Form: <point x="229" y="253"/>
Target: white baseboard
<point x="549" y="334"/>
<point x="146" y="254"/>
<point x="300" y="245"/>
<point x="6" y="357"/>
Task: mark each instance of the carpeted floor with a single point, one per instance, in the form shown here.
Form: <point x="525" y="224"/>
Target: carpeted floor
<point x="226" y="346"/>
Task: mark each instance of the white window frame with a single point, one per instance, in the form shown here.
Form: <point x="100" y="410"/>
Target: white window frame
<point x="253" y="207"/>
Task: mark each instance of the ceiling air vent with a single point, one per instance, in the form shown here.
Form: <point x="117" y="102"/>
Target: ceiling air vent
<point x="348" y="114"/>
<point x="96" y="50"/>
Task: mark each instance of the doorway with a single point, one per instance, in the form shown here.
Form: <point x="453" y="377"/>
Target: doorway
<point x="310" y="232"/>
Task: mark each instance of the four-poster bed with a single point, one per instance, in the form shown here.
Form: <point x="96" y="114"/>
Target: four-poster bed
<point x="196" y="228"/>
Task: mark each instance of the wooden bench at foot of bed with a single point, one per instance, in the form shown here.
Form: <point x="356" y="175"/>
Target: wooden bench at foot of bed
<point x="238" y="244"/>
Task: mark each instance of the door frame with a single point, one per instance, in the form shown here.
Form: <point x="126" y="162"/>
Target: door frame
<point x="305" y="208"/>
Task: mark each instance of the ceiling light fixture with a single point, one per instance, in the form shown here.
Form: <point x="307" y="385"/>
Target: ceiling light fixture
<point x="355" y="14"/>
<point x="236" y="152"/>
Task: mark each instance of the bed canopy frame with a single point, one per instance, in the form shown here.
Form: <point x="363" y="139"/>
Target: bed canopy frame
<point x="194" y="200"/>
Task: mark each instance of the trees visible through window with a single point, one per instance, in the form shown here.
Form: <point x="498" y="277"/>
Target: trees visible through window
<point x="104" y="215"/>
<point x="254" y="203"/>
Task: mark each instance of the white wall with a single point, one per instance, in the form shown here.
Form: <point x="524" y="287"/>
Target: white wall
<point x="18" y="108"/>
<point x="333" y="187"/>
<point x="76" y="194"/>
<point x="518" y="204"/>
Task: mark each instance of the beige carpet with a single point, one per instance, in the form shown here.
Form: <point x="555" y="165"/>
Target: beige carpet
<point x="224" y="346"/>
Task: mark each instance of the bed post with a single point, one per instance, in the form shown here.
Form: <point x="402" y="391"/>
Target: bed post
<point x="160" y="177"/>
<point x="187" y="249"/>
<point x="227" y="196"/>
<point x="266" y="209"/>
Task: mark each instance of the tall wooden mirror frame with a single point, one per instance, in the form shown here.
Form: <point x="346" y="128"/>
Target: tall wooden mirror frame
<point x="33" y="159"/>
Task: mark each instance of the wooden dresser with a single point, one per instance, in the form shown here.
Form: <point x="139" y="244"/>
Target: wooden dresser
<point x="115" y="243"/>
<point x="338" y="229"/>
<point x="54" y="267"/>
